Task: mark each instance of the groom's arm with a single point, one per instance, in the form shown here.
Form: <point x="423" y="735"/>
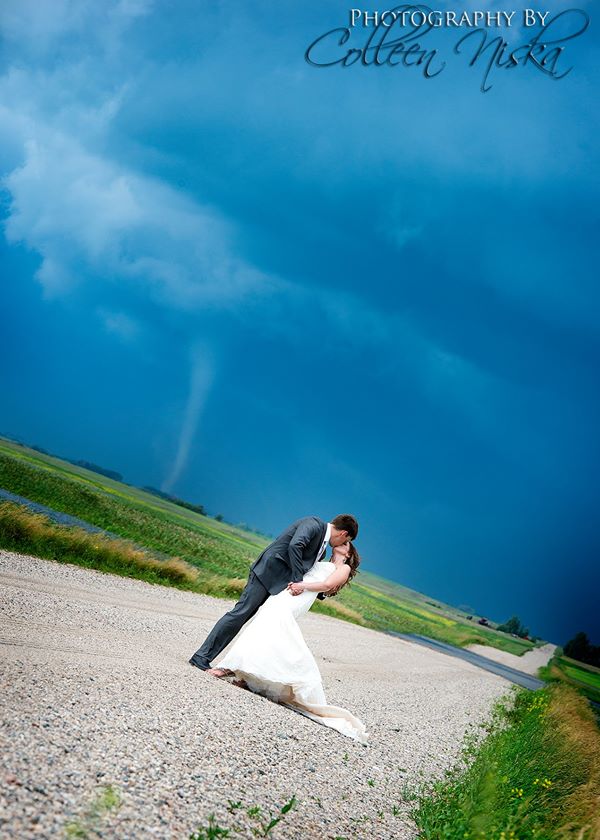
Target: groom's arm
<point x="305" y="532"/>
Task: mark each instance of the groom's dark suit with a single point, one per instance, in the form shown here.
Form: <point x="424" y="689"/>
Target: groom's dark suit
<point x="286" y="559"/>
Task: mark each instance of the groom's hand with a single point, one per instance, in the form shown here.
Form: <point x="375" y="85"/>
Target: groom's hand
<point x="296" y="588"/>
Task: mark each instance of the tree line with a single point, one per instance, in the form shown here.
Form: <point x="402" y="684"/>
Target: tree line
<point x="514" y="626"/>
<point x="581" y="649"/>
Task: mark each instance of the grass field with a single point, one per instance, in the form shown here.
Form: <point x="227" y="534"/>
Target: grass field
<point x="220" y="553"/>
<point x="423" y="607"/>
<point x="585" y="678"/>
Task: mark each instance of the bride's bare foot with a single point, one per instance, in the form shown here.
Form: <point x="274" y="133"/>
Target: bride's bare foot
<point x="219" y="672"/>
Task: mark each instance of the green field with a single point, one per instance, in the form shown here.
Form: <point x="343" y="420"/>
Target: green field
<point x="220" y="553"/>
<point x="423" y="607"/>
<point x="585" y="678"/>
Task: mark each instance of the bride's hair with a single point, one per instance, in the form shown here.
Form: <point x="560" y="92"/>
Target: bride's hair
<point x="352" y="560"/>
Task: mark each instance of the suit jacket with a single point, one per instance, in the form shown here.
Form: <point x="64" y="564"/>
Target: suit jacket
<point x="291" y="555"/>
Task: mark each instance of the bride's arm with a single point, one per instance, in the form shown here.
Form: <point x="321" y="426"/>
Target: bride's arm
<point x="335" y="579"/>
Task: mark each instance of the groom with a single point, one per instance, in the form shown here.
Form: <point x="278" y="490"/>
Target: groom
<point x="285" y="561"/>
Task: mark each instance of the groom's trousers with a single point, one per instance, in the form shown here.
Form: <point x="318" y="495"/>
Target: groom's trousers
<point x="253" y="597"/>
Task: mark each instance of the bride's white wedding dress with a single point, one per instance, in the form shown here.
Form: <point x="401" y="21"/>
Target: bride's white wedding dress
<point x="270" y="654"/>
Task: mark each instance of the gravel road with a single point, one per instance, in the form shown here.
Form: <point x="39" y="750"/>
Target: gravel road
<point x="107" y="731"/>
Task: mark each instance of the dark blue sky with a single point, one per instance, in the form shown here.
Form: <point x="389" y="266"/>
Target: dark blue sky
<point x="276" y="289"/>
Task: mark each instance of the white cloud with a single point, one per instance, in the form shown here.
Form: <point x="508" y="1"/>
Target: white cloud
<point x="119" y="324"/>
<point x="90" y="218"/>
<point x="36" y="25"/>
<point x="41" y="21"/>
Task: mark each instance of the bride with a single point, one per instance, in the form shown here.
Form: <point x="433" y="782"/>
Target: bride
<point x="270" y="657"/>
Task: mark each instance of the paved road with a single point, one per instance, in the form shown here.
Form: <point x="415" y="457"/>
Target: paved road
<point x="528" y="663"/>
<point x="514" y="676"/>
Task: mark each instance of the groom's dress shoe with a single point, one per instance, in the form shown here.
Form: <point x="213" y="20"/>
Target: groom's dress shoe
<point x="199" y="663"/>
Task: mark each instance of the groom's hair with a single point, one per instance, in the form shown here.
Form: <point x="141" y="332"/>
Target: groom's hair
<point x="346" y="522"/>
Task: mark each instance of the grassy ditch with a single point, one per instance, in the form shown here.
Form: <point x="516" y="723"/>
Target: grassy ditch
<point x="535" y="776"/>
<point x="33" y="533"/>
